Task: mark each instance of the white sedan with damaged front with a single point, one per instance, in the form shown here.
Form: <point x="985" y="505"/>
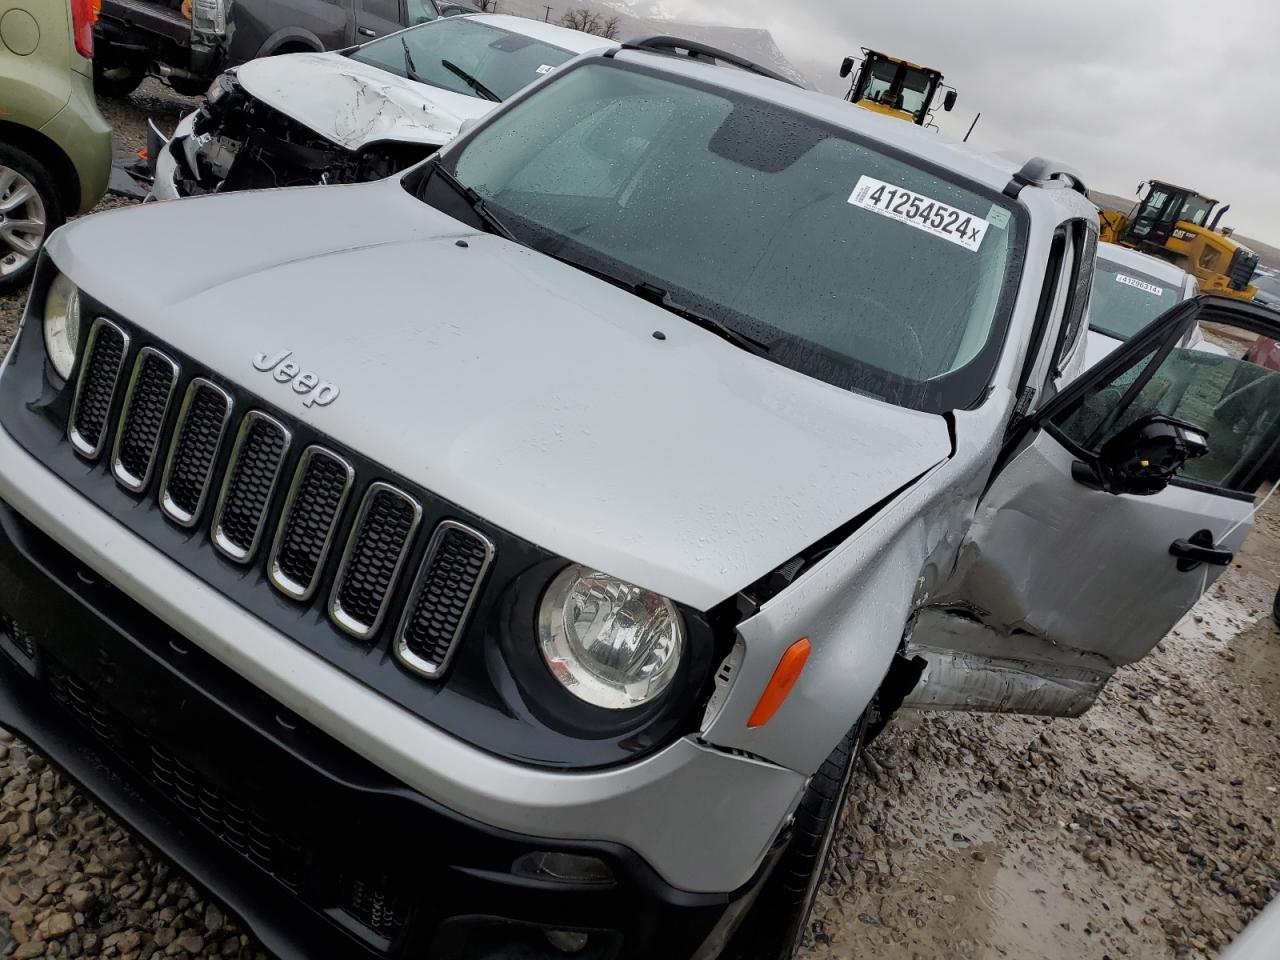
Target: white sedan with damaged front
<point x="358" y="114"/>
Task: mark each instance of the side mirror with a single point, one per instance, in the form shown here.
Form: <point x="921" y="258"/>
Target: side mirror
<point x="846" y="68"/>
<point x="1145" y="456"/>
<point x="949" y="101"/>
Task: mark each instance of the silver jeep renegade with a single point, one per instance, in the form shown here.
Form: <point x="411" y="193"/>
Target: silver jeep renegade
<point x="509" y="559"/>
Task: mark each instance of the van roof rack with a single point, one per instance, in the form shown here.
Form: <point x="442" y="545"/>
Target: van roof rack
<point x="1039" y="172"/>
<point x="693" y="50"/>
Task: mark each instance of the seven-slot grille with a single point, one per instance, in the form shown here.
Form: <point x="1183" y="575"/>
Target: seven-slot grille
<point x="303" y="530"/>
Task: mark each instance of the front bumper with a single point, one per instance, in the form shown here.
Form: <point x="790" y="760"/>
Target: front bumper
<point x="704" y="819"/>
<point x="320" y="853"/>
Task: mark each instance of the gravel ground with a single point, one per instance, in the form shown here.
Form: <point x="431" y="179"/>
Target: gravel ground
<point x="1145" y="829"/>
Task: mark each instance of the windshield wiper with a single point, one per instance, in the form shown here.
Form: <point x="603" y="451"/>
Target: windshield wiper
<point x="659" y="297"/>
<point x="410" y="70"/>
<point x="470" y="81"/>
<point x="475" y="201"/>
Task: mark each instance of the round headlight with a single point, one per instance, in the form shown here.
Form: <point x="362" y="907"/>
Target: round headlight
<point x="610" y="643"/>
<point x="62" y="324"/>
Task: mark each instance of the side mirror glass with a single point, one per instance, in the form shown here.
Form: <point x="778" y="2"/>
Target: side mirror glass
<point x="846" y="68"/>
<point x="949" y="101"/>
<point x="1146" y="455"/>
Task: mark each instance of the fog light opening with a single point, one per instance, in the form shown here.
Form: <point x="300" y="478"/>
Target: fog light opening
<point x="563" y="868"/>
<point x="567" y="941"/>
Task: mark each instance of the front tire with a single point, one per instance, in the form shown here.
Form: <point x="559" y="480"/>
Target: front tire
<point x="30" y="209"/>
<point x="776" y="925"/>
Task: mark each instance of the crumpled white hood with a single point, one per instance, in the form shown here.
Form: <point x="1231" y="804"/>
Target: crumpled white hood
<point x="527" y="391"/>
<point x="355" y="104"/>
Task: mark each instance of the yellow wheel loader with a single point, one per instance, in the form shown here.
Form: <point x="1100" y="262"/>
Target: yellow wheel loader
<point x="1174" y="223"/>
<point x="895" y="87"/>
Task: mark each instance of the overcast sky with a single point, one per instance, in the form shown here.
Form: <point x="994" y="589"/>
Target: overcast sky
<point x="1124" y="90"/>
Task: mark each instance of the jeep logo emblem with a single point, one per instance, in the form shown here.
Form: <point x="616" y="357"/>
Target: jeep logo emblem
<point x="318" y="393"/>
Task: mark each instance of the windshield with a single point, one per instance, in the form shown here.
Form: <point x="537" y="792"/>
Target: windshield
<point x="1126" y="300"/>
<point x="466" y="56"/>
<point x="916" y="87"/>
<point x="1196" y="210"/>
<point x="848" y="264"/>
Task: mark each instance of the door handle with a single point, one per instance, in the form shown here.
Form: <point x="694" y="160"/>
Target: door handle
<point x="1200" y="548"/>
<point x="366" y="32"/>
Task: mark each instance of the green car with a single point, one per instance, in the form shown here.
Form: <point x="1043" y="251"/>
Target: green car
<point x="55" y="147"/>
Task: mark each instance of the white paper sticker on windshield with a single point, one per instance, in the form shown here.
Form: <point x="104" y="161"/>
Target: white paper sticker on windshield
<point x="919" y="211"/>
<point x="1140" y="284"/>
<point x="543" y="70"/>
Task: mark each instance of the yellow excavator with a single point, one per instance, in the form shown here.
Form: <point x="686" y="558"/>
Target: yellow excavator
<point x="1179" y="225"/>
<point x="895" y="87"/>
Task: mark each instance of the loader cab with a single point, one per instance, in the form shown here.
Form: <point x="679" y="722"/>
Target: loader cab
<point x="1157" y="215"/>
<point x="894" y="87"/>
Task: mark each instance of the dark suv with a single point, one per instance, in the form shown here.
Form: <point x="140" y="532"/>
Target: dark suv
<point x="190" y="41"/>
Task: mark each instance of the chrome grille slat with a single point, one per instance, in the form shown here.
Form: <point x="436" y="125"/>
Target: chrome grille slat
<point x="443" y="595"/>
<point x="142" y="415"/>
<point x="311" y="512"/>
<point x="188" y="471"/>
<point x="262" y="443"/>
<point x="375" y="554"/>
<point x="101" y="363"/>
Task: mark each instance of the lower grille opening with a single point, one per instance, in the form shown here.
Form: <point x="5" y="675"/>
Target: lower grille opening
<point x="223" y="811"/>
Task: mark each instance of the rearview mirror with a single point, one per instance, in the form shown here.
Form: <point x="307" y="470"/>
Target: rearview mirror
<point x="949" y="101"/>
<point x="846" y="68"/>
<point x="1145" y="456"/>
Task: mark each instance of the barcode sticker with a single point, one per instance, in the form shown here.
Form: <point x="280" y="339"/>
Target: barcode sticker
<point x="1140" y="284"/>
<point x="917" y="210"/>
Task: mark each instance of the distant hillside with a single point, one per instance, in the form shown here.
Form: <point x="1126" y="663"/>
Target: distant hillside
<point x="637" y="20"/>
<point x="1268" y="255"/>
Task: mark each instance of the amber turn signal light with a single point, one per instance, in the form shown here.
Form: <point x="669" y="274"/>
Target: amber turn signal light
<point x="781" y="683"/>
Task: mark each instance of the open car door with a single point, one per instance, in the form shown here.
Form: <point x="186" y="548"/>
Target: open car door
<point x="1108" y="515"/>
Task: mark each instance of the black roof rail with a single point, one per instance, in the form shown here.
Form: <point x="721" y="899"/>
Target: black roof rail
<point x="1038" y="171"/>
<point x="698" y="51"/>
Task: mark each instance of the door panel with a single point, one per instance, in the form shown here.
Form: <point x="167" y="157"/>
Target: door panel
<point x="376" y="18"/>
<point x="1088" y="571"/>
<point x="1058" y="574"/>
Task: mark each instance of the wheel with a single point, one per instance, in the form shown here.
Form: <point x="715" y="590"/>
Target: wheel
<point x="188" y="86"/>
<point x="30" y="209"/>
<point x="775" y="927"/>
<point x="119" y="78"/>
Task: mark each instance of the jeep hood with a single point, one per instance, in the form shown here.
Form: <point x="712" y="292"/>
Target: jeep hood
<point x="355" y="104"/>
<point x="530" y="392"/>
